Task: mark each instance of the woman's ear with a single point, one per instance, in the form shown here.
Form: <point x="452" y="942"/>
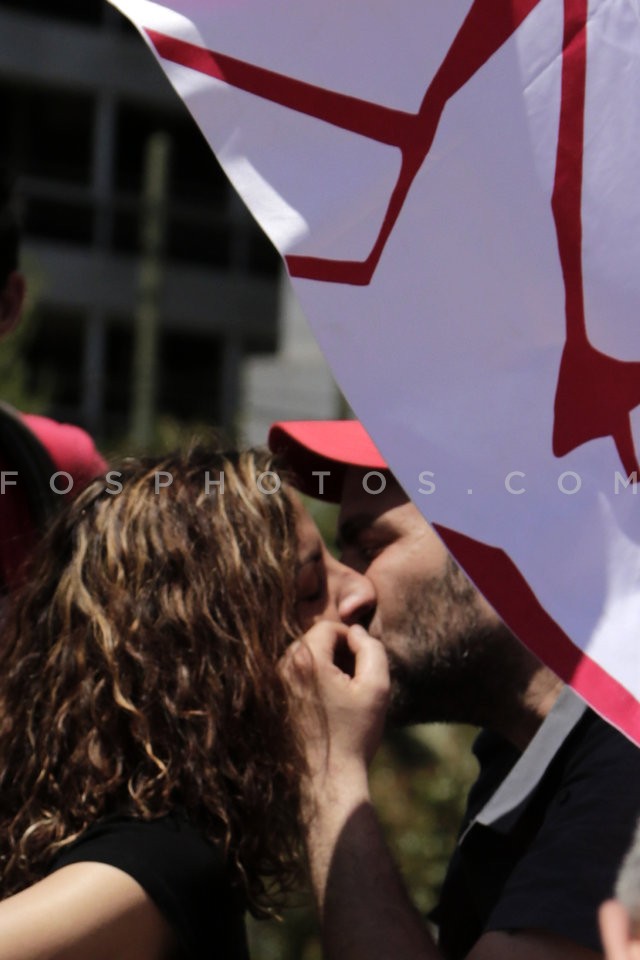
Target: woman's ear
<point x="12" y="301"/>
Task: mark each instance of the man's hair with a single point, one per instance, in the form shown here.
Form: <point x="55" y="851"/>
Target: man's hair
<point x="140" y="669"/>
<point x="627" y="889"/>
<point x="9" y="230"/>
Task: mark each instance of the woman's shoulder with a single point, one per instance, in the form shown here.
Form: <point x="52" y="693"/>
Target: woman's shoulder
<point x="183" y="872"/>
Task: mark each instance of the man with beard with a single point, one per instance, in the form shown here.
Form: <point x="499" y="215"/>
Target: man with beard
<point x="555" y="803"/>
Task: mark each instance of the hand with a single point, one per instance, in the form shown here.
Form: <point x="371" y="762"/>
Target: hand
<point x="339" y="679"/>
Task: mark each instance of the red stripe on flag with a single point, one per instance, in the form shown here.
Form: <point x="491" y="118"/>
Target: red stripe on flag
<point x="499" y="579"/>
<point x="370" y="120"/>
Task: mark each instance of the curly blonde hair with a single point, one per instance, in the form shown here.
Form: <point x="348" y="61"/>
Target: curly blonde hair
<point x="140" y="669"/>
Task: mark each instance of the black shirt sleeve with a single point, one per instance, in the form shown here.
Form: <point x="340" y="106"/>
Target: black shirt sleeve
<point x="182" y="872"/>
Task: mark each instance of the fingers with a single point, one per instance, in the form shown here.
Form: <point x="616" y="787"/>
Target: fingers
<point x="315" y="651"/>
<point x="339" y="679"/>
<point x="323" y="637"/>
<point x="323" y="649"/>
<point x="370" y="655"/>
<point x="331" y="653"/>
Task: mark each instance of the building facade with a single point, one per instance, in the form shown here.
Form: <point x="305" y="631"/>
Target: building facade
<point x="80" y="96"/>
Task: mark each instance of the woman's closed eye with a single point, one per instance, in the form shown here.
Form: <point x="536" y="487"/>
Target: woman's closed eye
<point x="310" y="582"/>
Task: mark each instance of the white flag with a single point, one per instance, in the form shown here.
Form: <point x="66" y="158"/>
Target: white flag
<point x="454" y="188"/>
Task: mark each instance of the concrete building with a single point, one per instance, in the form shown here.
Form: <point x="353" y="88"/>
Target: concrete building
<point x="294" y="383"/>
<point x="79" y="96"/>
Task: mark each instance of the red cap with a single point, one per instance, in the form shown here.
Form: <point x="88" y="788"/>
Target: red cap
<point x="334" y="445"/>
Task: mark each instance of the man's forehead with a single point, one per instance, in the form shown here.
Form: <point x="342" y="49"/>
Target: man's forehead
<point x="369" y="494"/>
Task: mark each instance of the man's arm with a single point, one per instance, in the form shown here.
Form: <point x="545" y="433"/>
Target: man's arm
<point x="363" y="905"/>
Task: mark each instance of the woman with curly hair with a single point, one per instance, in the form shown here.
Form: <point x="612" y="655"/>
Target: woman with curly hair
<point x="149" y="769"/>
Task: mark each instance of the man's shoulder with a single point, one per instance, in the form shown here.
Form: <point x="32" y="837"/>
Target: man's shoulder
<point x="71" y="448"/>
<point x="573" y="743"/>
<point x="597" y="746"/>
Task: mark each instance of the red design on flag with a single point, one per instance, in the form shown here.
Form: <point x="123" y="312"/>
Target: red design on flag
<point x="595" y="393"/>
<point x="496" y="575"/>
<point x="486" y="27"/>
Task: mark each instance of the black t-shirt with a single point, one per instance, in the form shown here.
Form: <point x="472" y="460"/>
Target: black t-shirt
<point x="547" y="860"/>
<point x="182" y="872"/>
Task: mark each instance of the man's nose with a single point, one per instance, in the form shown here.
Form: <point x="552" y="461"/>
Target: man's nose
<point x="356" y="596"/>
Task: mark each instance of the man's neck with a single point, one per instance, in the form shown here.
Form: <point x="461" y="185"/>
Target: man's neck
<point x="530" y="706"/>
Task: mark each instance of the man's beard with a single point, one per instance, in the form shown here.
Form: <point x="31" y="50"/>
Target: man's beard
<point x="457" y="661"/>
